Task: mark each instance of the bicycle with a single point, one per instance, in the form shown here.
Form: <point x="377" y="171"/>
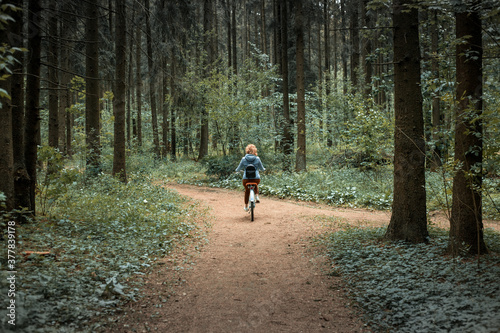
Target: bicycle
<point x="251" y="200"/>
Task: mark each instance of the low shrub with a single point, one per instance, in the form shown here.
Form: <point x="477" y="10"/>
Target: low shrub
<point x="415" y="288"/>
<point x="220" y="166"/>
<point x="105" y="233"/>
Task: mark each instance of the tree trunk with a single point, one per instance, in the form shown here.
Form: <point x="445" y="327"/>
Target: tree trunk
<point x="263" y="26"/>
<point x="119" y="156"/>
<point x="138" y="88"/>
<point x="466" y="225"/>
<point x="366" y="51"/>
<point x="437" y="115"/>
<point x="173" y="93"/>
<point x="287" y="136"/>
<point x="300" y="163"/>
<point x="152" y="80"/>
<point x="329" y="133"/>
<point x="233" y="37"/>
<point x="207" y="30"/>
<point x="129" y="92"/>
<point x="92" y="107"/>
<point x="235" y="133"/>
<point x="345" y="51"/>
<point x="6" y="145"/>
<point x="227" y="8"/>
<point x="53" y="77"/>
<point x="65" y="93"/>
<point x="409" y="219"/>
<point x="21" y="177"/>
<point x="335" y="46"/>
<point x="321" y="110"/>
<point x="32" y="125"/>
<point x="276" y="33"/>
<point x="164" y="108"/>
<point x="354" y="45"/>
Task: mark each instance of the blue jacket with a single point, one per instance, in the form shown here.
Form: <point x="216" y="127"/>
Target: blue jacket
<point x="250" y="159"/>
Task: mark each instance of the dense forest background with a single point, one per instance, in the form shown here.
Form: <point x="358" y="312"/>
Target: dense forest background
<point x="386" y="104"/>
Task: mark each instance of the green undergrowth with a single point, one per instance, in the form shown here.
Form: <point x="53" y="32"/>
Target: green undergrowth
<point x="416" y="288"/>
<point x="342" y="186"/>
<point x="101" y="235"/>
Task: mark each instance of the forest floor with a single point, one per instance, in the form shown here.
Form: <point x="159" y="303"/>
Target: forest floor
<point x="261" y="276"/>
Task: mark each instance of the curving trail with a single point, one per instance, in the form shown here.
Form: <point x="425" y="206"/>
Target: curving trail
<point x="252" y="276"/>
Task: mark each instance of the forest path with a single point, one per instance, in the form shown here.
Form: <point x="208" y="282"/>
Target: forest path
<point x="252" y="276"/>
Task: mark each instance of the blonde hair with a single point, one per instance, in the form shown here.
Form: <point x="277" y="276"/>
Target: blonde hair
<point x="251" y="149"/>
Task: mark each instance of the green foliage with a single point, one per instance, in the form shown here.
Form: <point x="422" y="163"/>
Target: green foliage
<point x="4" y="17"/>
<point x="415" y="288"/>
<point x="222" y="166"/>
<point x="338" y="187"/>
<point x="368" y="136"/>
<point x="491" y="198"/>
<point x="54" y="178"/>
<point x="328" y="183"/>
<point x="7" y="52"/>
<point x="237" y="105"/>
<point x="491" y="137"/>
<point x="106" y="234"/>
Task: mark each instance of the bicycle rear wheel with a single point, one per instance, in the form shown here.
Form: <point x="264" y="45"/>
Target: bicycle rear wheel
<point x="251" y="212"/>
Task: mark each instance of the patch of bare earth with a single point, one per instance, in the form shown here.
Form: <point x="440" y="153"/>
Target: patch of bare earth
<point x="252" y="276"/>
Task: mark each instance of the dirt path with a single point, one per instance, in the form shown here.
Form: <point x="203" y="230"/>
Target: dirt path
<point x="251" y="277"/>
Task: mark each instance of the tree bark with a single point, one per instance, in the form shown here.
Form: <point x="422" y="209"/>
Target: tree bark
<point x="345" y="51"/>
<point x="6" y="145"/>
<point x="466" y="224"/>
<point x="263" y="26"/>
<point x="32" y="125"/>
<point x="92" y="107"/>
<point x="65" y="94"/>
<point x="437" y="115"/>
<point x="233" y="37"/>
<point x="366" y="50"/>
<point x="152" y="80"/>
<point x="287" y="144"/>
<point x="329" y="133"/>
<point x="409" y="219"/>
<point x="138" y="88"/>
<point x="21" y="177"/>
<point x="300" y="163"/>
<point x="129" y="91"/>
<point x="320" y="88"/>
<point x="354" y="45"/>
<point x="227" y="8"/>
<point x="53" y="77"/>
<point x="119" y="155"/>
<point x="208" y="40"/>
<point x="166" y="119"/>
<point x="173" y="94"/>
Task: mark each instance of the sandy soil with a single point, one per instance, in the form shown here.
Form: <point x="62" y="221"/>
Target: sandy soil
<point x="252" y="276"/>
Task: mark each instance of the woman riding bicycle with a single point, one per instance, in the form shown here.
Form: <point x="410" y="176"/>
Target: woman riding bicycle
<point x="250" y="158"/>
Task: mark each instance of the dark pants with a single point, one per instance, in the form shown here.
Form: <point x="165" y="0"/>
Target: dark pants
<point x="247" y="190"/>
